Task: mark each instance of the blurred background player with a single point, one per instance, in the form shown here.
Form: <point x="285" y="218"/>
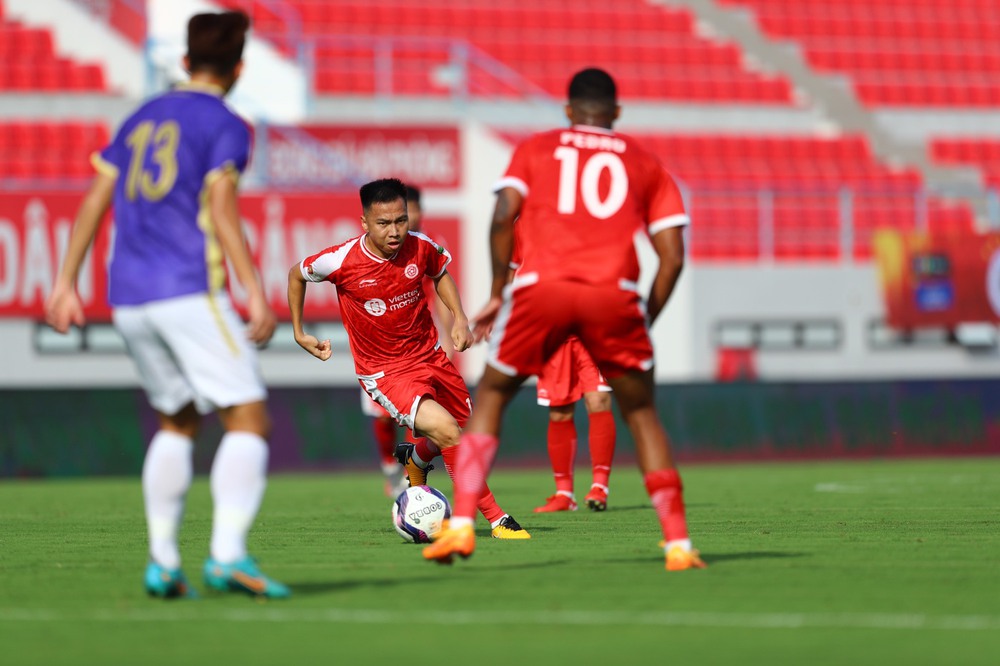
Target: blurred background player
<point x="397" y="353"/>
<point x="569" y="375"/>
<point x="171" y="172"/>
<point x="578" y="195"/>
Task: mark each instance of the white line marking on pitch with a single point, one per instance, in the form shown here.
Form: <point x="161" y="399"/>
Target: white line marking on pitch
<point x="553" y="618"/>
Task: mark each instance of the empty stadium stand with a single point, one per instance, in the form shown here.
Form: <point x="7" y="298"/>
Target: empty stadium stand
<point x="32" y="64"/>
<point x="411" y="47"/>
<point x="981" y="153"/>
<point x="926" y="53"/>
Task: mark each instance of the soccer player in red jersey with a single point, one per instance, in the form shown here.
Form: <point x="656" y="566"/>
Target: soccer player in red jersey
<point x="384" y="427"/>
<point x="578" y="196"/>
<point x="397" y="352"/>
<point x="569" y="375"/>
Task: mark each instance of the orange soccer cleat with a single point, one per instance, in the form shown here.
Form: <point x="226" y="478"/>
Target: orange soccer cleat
<point x="450" y="542"/>
<point x="679" y="559"/>
<point x="561" y="501"/>
<point x="416" y="474"/>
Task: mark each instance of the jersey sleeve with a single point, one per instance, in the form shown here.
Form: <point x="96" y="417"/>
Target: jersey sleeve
<point x="230" y="148"/>
<point x="113" y="157"/>
<point x="325" y="266"/>
<point x="666" y="207"/>
<point x="518" y="173"/>
<point x="436" y="257"/>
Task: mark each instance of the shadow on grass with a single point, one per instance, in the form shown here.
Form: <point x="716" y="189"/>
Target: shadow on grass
<point x="709" y="558"/>
<point x="614" y="508"/>
<point x="486" y="534"/>
<point x="314" y="588"/>
<point x="751" y="555"/>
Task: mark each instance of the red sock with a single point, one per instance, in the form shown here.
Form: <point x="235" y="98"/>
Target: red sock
<point x="385" y="439"/>
<point x="487" y="503"/>
<point x="666" y="492"/>
<point x="425" y="449"/>
<point x="562" y="453"/>
<point x="602" y="445"/>
<point x="472" y="465"/>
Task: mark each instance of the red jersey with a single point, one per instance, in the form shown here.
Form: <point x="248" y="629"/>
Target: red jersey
<point x="587" y="191"/>
<point x="382" y="301"/>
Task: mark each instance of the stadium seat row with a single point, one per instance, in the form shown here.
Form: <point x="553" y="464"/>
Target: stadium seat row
<point x="935" y="53"/>
<point x="655" y="51"/>
<point x="32" y="150"/>
<point x="30" y="63"/>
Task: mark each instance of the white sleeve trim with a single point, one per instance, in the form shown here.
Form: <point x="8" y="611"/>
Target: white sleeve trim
<point x="327" y="263"/>
<point x="678" y="220"/>
<point x="510" y="181"/>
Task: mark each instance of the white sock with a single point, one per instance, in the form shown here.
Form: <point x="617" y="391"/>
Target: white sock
<point x="239" y="476"/>
<point x="166" y="477"/>
<point x="496" y="522"/>
<point x="685" y="544"/>
<point x="458" y="522"/>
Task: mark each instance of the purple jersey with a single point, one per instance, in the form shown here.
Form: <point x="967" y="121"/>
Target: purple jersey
<point x="164" y="156"/>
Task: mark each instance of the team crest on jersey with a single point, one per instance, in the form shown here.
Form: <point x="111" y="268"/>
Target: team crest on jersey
<point x="411" y="271"/>
<point x="375" y="307"/>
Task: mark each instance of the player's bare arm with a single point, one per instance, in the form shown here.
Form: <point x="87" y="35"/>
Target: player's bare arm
<point x="507" y="208"/>
<point x="669" y="246"/>
<point x="224" y="210"/>
<point x="296" y="303"/>
<point x="63" y="307"/>
<point x="447" y="291"/>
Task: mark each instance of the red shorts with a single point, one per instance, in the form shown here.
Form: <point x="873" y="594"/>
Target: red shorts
<point x="371" y="408"/>
<point x="400" y="390"/>
<point x="536" y="319"/>
<point x="569" y="373"/>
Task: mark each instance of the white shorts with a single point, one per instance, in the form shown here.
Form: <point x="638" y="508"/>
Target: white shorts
<point x="191" y="349"/>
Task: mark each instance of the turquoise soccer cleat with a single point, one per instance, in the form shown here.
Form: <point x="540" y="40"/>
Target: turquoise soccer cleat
<point x="243" y="576"/>
<point x="167" y="583"/>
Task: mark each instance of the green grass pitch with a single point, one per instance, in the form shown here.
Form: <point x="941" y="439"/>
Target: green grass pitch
<point x="875" y="562"/>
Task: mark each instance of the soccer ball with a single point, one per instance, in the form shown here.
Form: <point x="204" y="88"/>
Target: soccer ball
<point x="417" y="513"/>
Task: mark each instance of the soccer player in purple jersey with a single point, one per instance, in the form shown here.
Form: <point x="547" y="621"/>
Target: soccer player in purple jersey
<point x="171" y="173"/>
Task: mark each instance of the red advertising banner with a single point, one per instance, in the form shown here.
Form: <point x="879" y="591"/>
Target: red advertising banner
<point x="281" y="230"/>
<point x="938" y="279"/>
<point x="345" y="156"/>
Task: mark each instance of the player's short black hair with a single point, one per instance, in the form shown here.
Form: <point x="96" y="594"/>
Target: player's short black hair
<point x="215" y="41"/>
<point x="593" y="85"/>
<point x="413" y="194"/>
<point x="384" y="190"/>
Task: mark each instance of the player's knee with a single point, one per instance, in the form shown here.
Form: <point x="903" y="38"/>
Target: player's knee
<point x="252" y="417"/>
<point x="598" y="401"/>
<point x="449" y="435"/>
<point x="561" y="413"/>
